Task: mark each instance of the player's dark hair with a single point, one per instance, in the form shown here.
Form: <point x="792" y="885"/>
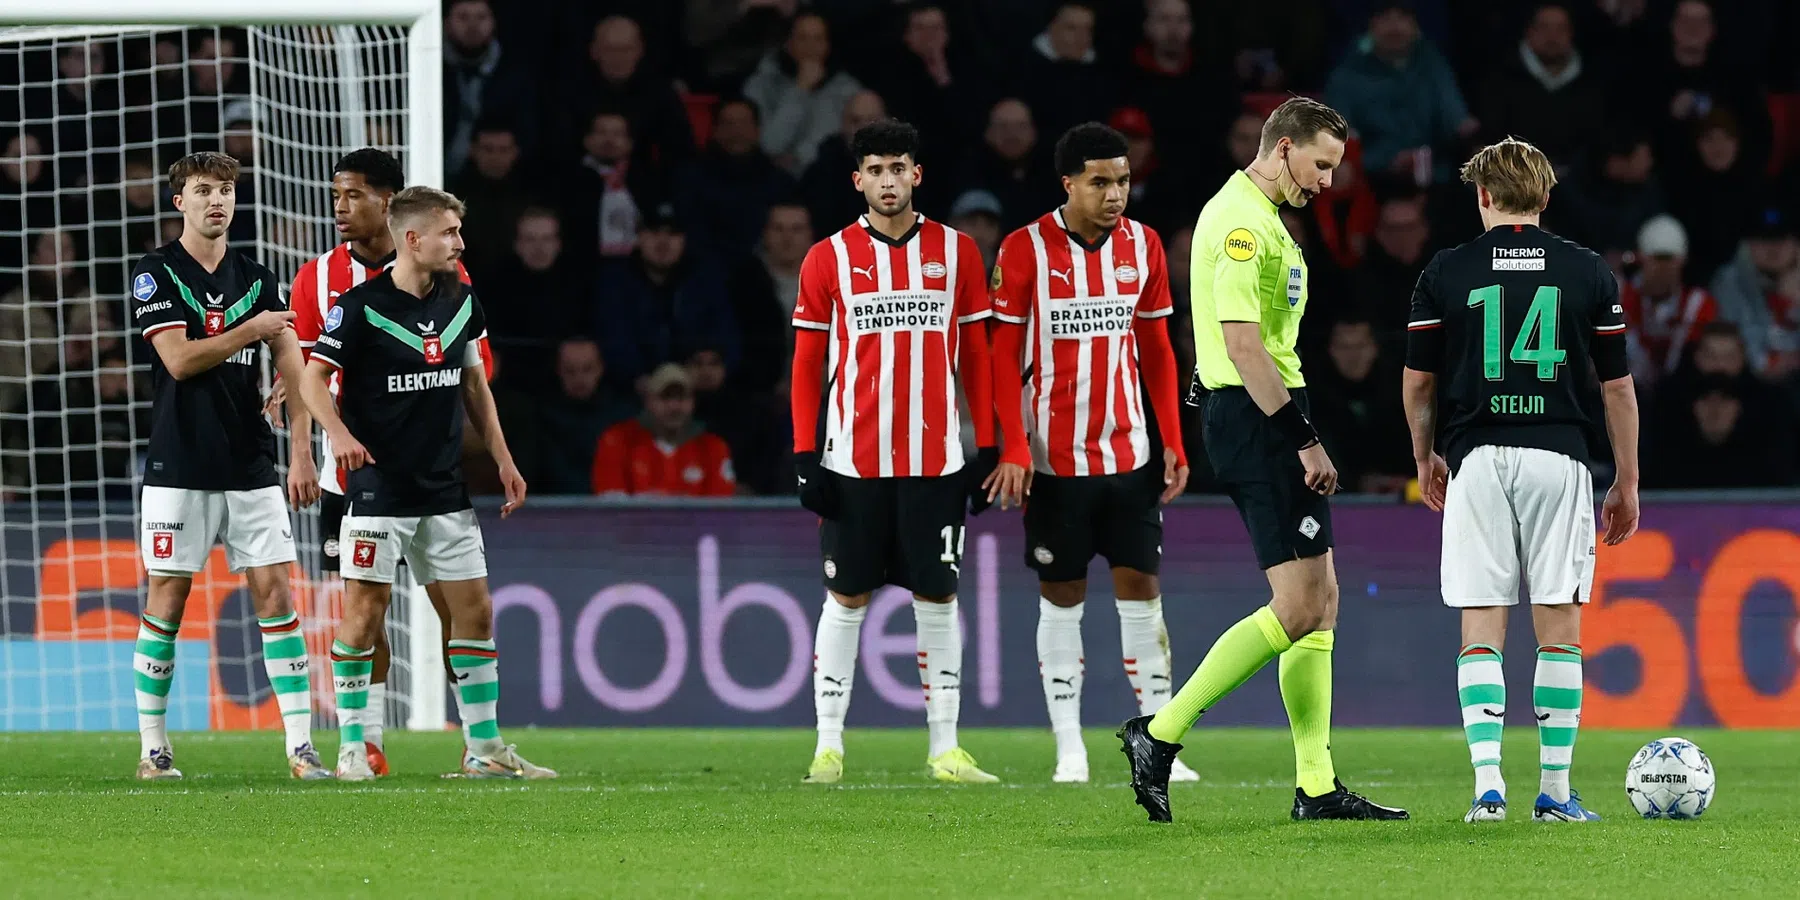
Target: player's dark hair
<point x="888" y="137"/>
<point x="222" y="166"/>
<point x="1089" y="140"/>
<point x="378" y="168"/>
<point x="1302" y="120"/>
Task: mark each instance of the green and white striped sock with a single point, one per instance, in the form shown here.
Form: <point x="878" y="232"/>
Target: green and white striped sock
<point x="477" y="668"/>
<point x="350" y="669"/>
<point x="153" y="667"/>
<point x="1556" y="696"/>
<point x="1481" y="687"/>
<point x="290" y="675"/>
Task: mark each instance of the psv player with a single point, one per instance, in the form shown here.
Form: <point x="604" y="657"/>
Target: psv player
<point x="1511" y="321"/>
<point x="894" y="307"/>
<point x="362" y="184"/>
<point x="209" y="473"/>
<point x="1081" y="304"/>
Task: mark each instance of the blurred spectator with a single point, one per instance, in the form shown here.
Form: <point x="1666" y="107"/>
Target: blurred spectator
<point x="483" y="86"/>
<point x="1665" y="311"/>
<point x="764" y="289"/>
<point x="831" y="199"/>
<point x="519" y="421"/>
<point x="977" y="214"/>
<point x="729" y="37"/>
<point x="85" y="107"/>
<point x="1344" y="217"/>
<point x="27" y="190"/>
<point x="1603" y="206"/>
<point x="28" y="326"/>
<point x="618" y="82"/>
<point x="1719" y="355"/>
<point x="495" y="193"/>
<point x="1356" y="406"/>
<point x="1009" y="166"/>
<point x="1238" y="149"/>
<point x="759" y="453"/>
<point x="1403" y="98"/>
<point x="574" y="417"/>
<point x="212" y="73"/>
<point x="931" y="87"/>
<point x="239" y="140"/>
<point x="664" y="451"/>
<point x="1160" y="196"/>
<point x="1383" y="285"/>
<point x="537" y="294"/>
<point x="1722" y="190"/>
<point x="1715" y="443"/>
<point x="605" y="196"/>
<point x="1187" y="102"/>
<point x="1063" y="82"/>
<point x="1547" y="95"/>
<point x="1759" y="290"/>
<point x="128" y="209"/>
<point x="801" y="93"/>
<point x="651" y="307"/>
<point x="1692" y="83"/>
<point x="726" y="191"/>
<point x="1272" y="47"/>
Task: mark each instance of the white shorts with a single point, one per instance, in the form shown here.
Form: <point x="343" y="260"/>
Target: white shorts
<point x="179" y="527"/>
<point x="444" y="547"/>
<point x="1518" y="511"/>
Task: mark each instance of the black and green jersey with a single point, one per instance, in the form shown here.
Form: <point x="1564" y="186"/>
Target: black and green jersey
<point x="403" y="362"/>
<point x="1517" y="322"/>
<point x="207" y="432"/>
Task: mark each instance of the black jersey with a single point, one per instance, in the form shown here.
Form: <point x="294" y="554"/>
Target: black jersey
<point x="1517" y="321"/>
<point x="207" y="432"/>
<point x="402" y="360"/>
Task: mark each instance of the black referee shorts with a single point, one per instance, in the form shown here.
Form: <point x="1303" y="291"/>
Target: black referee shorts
<point x="1260" y="468"/>
<point x="901" y="531"/>
<point x="1068" y="520"/>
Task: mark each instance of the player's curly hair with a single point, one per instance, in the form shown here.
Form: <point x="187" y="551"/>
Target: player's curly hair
<point x="378" y="168"/>
<point x="1089" y="140"/>
<point x="222" y="166"/>
<point x="888" y="137"/>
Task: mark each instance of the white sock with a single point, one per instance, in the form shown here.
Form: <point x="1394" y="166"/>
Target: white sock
<point x="940" y="669"/>
<point x="376" y="713"/>
<point x="1061" y="666"/>
<point x="834" y="670"/>
<point x="1144" y="640"/>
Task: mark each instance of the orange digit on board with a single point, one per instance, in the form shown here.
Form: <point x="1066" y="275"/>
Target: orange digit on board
<point x="1644" y="627"/>
<point x="1749" y="558"/>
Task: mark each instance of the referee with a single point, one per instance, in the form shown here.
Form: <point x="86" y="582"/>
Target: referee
<point x="1249" y="292"/>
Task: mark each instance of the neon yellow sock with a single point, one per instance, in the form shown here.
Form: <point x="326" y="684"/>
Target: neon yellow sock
<point x="1239" y="653"/>
<point x="1306" y="692"/>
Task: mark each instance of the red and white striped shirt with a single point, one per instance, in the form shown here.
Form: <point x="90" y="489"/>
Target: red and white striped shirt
<point x="1083" y="406"/>
<point x="892" y="310"/>
<point x="311" y="299"/>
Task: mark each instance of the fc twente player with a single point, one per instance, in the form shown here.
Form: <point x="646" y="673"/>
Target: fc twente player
<point x="1081" y="303"/>
<point x="1511" y="322"/>
<point x="209" y="474"/>
<point x="896" y="304"/>
<point x="1249" y="284"/>
<point x="362" y="184"/>
<point x="405" y="345"/>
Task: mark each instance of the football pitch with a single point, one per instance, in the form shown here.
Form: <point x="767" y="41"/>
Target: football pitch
<point x="660" y="813"/>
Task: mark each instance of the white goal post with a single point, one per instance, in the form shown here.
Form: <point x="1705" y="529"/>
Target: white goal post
<point x="323" y="77"/>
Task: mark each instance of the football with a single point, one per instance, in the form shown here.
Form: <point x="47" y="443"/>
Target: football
<point x="1670" y="778"/>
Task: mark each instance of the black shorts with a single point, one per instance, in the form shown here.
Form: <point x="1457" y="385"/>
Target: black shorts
<point x="900" y="531"/>
<point x="1260" y="468"/>
<point x="331" y="516"/>
<point x="1070" y="519"/>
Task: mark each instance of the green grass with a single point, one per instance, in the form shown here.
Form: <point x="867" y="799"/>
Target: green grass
<point x="657" y="813"/>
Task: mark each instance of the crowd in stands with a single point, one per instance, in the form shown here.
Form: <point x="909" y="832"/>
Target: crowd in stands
<point x="644" y="178"/>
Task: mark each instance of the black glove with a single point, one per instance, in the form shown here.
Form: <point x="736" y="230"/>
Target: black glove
<point x="987" y="459"/>
<point x="817" y="492"/>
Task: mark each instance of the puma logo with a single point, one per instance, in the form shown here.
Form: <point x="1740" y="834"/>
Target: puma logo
<point x="953" y="676"/>
<point x="837" y="681"/>
<point x="1063" y="274"/>
<point x="463" y="676"/>
<point x="1068" y="681"/>
<point x="1496" y="713"/>
<point x="866" y="273"/>
<point x="1159" y="678"/>
<point x="1543" y="717"/>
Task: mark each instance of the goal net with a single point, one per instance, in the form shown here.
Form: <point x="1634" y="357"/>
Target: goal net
<point x="97" y="113"/>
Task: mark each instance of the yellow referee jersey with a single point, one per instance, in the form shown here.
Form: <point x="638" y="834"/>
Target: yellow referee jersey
<point x="1246" y="268"/>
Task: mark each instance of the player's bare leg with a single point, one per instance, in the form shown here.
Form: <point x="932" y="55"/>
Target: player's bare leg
<point x="286" y="663"/>
<point x="352" y="662"/>
<point x="153" y="669"/>
<point x="1556" y="701"/>
<point x="940" y="674"/>
<point x="476" y="668"/>
<point x="1144" y="646"/>
<point x="834" y="673"/>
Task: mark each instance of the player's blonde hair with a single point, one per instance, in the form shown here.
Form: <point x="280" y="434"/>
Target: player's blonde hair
<point x="1517" y="175"/>
<point x="1301" y="120"/>
<point x="418" y="200"/>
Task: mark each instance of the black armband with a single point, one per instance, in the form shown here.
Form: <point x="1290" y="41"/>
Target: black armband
<point x="1293" y="424"/>
<point x="1610" y="358"/>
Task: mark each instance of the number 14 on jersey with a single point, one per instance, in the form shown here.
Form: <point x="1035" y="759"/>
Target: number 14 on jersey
<point x="1536" y="343"/>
